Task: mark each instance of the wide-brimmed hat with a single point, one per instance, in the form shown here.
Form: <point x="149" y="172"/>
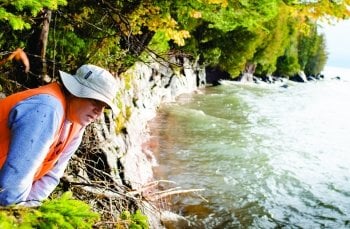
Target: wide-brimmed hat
<point x="92" y="82"/>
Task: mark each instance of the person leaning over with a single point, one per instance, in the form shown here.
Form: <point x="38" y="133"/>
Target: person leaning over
<point x="41" y="128"/>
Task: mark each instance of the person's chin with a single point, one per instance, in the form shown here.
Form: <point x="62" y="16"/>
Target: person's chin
<point x="86" y="122"/>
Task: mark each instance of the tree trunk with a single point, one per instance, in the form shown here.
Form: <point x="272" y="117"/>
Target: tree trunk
<point x="43" y="41"/>
<point x="37" y="50"/>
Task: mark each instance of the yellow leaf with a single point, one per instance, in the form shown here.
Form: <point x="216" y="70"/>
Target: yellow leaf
<point x="195" y="14"/>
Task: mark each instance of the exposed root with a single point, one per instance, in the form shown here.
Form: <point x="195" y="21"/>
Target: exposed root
<point x="167" y="193"/>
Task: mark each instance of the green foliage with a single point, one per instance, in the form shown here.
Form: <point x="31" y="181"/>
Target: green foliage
<point x="159" y="43"/>
<point x="68" y="45"/>
<point x="312" y="51"/>
<point x="306" y="46"/>
<point x="287" y="65"/>
<point x="85" y="32"/>
<point x="64" y="212"/>
<point x="16" y="22"/>
<point x="274" y="41"/>
<point x="212" y="55"/>
<point x="16" y="12"/>
<point x="107" y="52"/>
<point x="318" y="57"/>
<point x="230" y="33"/>
<point x="246" y="14"/>
<point x="112" y="34"/>
<point x="155" y="16"/>
<point x="229" y="51"/>
<point x="135" y="221"/>
<point x="323" y="9"/>
<point x="7" y="221"/>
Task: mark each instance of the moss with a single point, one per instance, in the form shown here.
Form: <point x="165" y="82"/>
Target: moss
<point x="67" y="213"/>
<point x="127" y="79"/>
<point x="121" y="120"/>
<point x="120" y="123"/>
<point x="63" y="212"/>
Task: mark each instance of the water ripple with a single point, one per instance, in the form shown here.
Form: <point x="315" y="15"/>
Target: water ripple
<point x="266" y="158"/>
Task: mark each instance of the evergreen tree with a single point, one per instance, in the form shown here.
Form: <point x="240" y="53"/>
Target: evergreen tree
<point x="277" y="38"/>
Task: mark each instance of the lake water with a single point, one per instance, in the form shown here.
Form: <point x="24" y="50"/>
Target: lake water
<point x="266" y="157"/>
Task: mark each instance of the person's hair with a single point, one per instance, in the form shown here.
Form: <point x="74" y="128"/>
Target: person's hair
<point x="64" y="89"/>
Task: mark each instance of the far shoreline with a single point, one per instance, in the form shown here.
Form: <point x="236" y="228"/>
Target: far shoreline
<point x="333" y="71"/>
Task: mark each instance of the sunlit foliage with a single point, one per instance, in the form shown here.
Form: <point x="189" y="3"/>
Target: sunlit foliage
<point x="19" y="13"/>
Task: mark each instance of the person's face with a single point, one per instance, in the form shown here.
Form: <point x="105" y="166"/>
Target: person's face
<point x="84" y="111"/>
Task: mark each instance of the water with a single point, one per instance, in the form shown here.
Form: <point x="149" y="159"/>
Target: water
<point x="266" y="157"/>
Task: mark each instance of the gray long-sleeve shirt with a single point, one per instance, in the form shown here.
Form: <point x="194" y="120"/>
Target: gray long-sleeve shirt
<point x="33" y="123"/>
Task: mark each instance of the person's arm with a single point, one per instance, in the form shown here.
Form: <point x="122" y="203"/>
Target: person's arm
<point x="33" y="124"/>
<point x="43" y="187"/>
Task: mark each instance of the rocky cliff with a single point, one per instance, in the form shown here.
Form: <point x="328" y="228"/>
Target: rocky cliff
<point x="152" y="85"/>
<point x="112" y="148"/>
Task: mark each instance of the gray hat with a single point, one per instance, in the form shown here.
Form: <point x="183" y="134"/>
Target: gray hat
<point x="92" y="82"/>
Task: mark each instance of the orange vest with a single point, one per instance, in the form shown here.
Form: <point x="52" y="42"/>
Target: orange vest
<point x="55" y="149"/>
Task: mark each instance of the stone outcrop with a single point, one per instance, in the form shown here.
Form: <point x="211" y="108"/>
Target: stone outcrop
<point x="151" y="85"/>
<point x="300" y="77"/>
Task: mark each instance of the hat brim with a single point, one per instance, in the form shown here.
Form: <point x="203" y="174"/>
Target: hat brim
<point x="81" y="91"/>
